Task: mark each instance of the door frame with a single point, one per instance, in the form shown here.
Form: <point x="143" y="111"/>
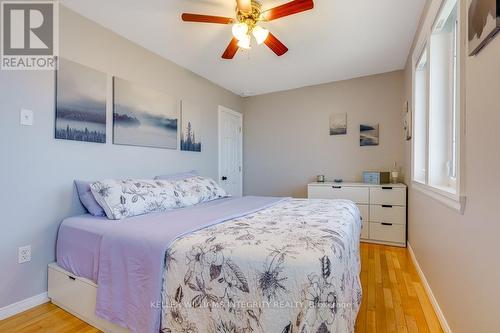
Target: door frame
<point x="223" y="109"/>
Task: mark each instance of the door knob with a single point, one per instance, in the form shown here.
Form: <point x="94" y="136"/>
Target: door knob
<point x="224" y="178"/>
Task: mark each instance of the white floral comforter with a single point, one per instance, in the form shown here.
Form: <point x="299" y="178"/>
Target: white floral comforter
<point x="293" y="267"/>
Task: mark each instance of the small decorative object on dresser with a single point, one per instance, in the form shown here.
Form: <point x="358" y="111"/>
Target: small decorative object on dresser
<point x="382" y="207"/>
<point x="320" y="178"/>
<point x="376" y="177"/>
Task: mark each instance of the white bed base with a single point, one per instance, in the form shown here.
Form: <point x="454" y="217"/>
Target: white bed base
<point x="77" y="296"/>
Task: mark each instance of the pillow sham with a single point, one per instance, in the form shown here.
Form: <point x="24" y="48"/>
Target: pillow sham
<point x="198" y="189"/>
<point x="125" y="198"/>
<point x="87" y="198"/>
<point x="178" y="176"/>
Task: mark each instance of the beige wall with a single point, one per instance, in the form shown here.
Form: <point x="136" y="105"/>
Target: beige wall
<point x="459" y="254"/>
<point x="287" y="141"/>
<point x="37" y="171"/>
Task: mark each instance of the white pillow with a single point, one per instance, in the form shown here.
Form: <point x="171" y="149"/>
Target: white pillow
<point x="131" y="197"/>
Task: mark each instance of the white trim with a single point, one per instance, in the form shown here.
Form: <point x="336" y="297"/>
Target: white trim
<point x="435" y="305"/>
<point x="451" y="200"/>
<point x="21" y="306"/>
<point x="239" y="115"/>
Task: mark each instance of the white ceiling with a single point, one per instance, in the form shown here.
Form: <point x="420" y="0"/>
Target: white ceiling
<point x="337" y="40"/>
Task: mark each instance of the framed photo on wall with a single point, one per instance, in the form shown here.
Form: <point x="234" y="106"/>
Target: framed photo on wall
<point x="484" y="23"/>
<point x="80" y="103"/>
<point x="143" y="117"/>
<point x="407" y="125"/>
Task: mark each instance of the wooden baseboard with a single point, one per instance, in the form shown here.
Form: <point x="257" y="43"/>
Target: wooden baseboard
<point x="21" y="306"/>
<point x="442" y="320"/>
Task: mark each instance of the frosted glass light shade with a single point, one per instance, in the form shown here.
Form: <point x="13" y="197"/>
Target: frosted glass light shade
<point x="240" y="30"/>
<point x="260" y="34"/>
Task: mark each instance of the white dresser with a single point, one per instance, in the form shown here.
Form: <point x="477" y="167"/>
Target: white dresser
<point x="382" y="207"/>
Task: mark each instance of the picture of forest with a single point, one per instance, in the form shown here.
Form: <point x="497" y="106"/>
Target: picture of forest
<point x="80" y="103"/>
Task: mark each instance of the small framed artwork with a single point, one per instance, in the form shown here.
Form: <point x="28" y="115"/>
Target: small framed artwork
<point x="368" y="135"/>
<point x="80" y="103"/>
<point x="143" y="117"/>
<point x="407" y="125"/>
<point x="484" y="23"/>
<point x="190" y="127"/>
<point x="338" y="124"/>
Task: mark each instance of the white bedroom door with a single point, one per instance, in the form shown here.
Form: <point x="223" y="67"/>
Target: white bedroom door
<point x="231" y="151"/>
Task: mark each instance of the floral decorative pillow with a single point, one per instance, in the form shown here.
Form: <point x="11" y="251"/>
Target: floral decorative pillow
<point x="126" y="198"/>
<point x="198" y="189"/>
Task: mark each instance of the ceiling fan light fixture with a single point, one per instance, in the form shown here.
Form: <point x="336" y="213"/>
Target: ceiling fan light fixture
<point x="240" y="30"/>
<point x="244" y="43"/>
<point x="260" y="34"/>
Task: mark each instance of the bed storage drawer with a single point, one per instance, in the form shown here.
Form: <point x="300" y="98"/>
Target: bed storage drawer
<point x="388" y="213"/>
<point x="388" y="195"/>
<point x="77" y="296"/>
<point x="359" y="195"/>
<point x="388" y="232"/>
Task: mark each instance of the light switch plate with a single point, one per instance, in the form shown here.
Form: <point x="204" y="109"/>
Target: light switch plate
<point x="27" y="117"/>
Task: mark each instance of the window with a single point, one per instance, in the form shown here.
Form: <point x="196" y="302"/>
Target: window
<point x="436" y="96"/>
<point x="420" y="148"/>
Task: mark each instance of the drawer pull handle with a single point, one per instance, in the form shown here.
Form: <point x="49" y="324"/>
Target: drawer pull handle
<point x="387" y="206"/>
<point x="386" y="187"/>
<point x="389" y="224"/>
<point x="336" y="186"/>
<point x="71" y="278"/>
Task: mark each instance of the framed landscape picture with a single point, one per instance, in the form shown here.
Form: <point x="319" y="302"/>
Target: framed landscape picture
<point x="143" y="116"/>
<point x="191" y="135"/>
<point x="338" y="124"/>
<point x="80" y="103"/>
<point x="368" y="134"/>
<point x="484" y="23"/>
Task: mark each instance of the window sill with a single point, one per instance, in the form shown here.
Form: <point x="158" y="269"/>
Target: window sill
<point x="451" y="200"/>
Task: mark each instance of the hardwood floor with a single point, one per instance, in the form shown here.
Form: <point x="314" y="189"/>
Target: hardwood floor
<point x="394" y="300"/>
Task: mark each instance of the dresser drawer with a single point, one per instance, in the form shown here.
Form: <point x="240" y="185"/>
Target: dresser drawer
<point x="388" y="213"/>
<point x="395" y="233"/>
<point x="364" y="210"/>
<point x="359" y="195"/>
<point x="387" y="195"/>
<point x="365" y="230"/>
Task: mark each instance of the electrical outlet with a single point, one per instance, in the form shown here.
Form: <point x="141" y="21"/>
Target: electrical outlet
<point x="24" y="254"/>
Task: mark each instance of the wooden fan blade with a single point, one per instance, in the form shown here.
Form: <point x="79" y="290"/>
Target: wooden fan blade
<point x="244" y="5"/>
<point x="274" y="44"/>
<point x="231" y="50"/>
<point x="187" y="17"/>
<point x="289" y="8"/>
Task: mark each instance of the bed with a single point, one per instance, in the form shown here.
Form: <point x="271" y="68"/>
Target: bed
<point x="251" y="264"/>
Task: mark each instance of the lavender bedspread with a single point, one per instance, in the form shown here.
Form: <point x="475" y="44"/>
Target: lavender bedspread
<point x="132" y="258"/>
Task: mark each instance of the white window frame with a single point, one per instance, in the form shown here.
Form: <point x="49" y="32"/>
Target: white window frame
<point x="455" y="200"/>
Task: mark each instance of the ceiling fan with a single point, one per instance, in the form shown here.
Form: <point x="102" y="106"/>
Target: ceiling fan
<point x="249" y="14"/>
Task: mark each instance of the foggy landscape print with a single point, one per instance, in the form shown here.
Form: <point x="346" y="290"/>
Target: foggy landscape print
<point x="190" y="127"/>
<point x="368" y="134"/>
<point x="338" y="124"/>
<point x="143" y="116"/>
<point x="80" y="103"/>
<point x="484" y="23"/>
